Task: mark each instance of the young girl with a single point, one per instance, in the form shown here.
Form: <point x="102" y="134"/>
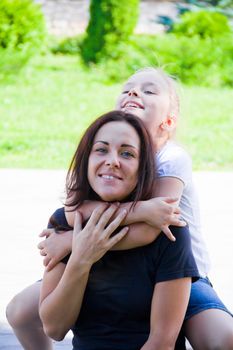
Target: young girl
<point x="151" y="95"/>
<point x="105" y="296"/>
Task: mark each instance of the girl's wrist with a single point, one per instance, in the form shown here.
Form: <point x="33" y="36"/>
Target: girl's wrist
<point x="141" y="208"/>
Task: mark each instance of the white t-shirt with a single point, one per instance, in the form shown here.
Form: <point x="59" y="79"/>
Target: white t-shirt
<point x="173" y="161"/>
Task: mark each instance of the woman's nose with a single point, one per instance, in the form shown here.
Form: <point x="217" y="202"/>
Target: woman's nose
<point x="113" y="161"/>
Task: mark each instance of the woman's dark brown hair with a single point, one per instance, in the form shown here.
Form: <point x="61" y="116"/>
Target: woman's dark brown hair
<point x="77" y="185"/>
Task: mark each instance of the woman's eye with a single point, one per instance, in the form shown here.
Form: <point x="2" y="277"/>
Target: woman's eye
<point x="127" y="154"/>
<point x="101" y="150"/>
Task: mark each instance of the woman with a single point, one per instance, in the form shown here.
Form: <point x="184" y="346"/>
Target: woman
<point x="106" y="296"/>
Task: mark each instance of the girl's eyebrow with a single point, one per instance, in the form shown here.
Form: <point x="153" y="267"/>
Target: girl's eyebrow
<point x="147" y="83"/>
<point x="150" y="83"/>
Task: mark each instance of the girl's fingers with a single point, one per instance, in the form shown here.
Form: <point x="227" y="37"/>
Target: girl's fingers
<point x="115" y="223"/>
<point x="168" y="233"/>
<point x="170" y="200"/>
<point x="46" y="233"/>
<point x="177" y="210"/>
<point x="114" y="240"/>
<point x="179" y="222"/>
<point x="40" y="245"/>
<point x="43" y="252"/>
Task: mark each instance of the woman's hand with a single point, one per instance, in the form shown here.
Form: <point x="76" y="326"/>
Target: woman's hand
<point x="94" y="240"/>
<point x="55" y="247"/>
<point x="161" y="212"/>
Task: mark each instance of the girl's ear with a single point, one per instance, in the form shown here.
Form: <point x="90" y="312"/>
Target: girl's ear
<point x="169" y="124"/>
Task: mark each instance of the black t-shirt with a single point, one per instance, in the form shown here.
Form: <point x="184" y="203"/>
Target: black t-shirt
<point x="115" y="314"/>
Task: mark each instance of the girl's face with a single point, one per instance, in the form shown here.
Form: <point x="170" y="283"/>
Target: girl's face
<point x="146" y="95"/>
<point x="114" y="160"/>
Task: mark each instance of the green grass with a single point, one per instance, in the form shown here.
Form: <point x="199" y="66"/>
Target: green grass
<point x="45" y="109"/>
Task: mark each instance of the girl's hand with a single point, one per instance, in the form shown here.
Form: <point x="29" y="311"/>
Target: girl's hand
<point x="55" y="247"/>
<point x="94" y="240"/>
<point x="161" y="212"/>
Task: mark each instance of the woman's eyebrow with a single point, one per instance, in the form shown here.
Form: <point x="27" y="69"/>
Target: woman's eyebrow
<point x="122" y="145"/>
<point x="104" y="142"/>
<point x="127" y="145"/>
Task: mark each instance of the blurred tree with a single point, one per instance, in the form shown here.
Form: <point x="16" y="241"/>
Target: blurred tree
<point x="22" y="34"/>
<point x="221" y="3"/>
<point x="111" y="22"/>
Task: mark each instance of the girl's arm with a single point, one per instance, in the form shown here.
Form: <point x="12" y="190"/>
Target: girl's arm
<point x="63" y="287"/>
<point x="168" y="309"/>
<point x="146" y="220"/>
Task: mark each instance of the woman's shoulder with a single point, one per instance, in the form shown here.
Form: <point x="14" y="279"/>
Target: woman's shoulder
<point x="58" y="219"/>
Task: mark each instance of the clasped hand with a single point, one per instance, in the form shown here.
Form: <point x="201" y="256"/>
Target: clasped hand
<point x="95" y="239"/>
<point x="57" y="245"/>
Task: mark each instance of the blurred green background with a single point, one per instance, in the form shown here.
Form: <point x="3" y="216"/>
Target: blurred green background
<point x="51" y="88"/>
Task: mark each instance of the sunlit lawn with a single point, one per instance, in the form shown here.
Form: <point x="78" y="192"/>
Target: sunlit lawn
<point x="45" y="110"/>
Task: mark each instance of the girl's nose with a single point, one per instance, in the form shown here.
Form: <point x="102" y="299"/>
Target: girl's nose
<point x="133" y="92"/>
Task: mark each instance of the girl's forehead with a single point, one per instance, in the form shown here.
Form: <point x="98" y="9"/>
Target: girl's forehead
<point x="148" y="78"/>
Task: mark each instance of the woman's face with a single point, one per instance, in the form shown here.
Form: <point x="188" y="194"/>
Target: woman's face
<point x="146" y="95"/>
<point x="114" y="160"/>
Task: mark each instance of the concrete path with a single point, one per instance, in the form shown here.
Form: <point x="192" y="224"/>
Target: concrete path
<point x="28" y="197"/>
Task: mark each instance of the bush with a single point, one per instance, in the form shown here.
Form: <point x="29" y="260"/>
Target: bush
<point x="69" y="46"/>
<point x="202" y="23"/>
<point x="111" y="22"/>
<point x="22" y="32"/>
<point x="195" y="61"/>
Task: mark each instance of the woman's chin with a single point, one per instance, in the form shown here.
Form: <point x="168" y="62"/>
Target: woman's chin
<point x="107" y="197"/>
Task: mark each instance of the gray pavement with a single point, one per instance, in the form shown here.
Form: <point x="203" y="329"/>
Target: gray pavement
<point x="28" y="197"/>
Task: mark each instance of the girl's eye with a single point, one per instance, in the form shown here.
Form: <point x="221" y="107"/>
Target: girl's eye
<point x="148" y="92"/>
<point x="125" y="92"/>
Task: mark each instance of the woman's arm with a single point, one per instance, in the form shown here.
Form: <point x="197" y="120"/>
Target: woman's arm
<point x="63" y="287"/>
<point x="61" y="297"/>
<point x="168" y="309"/>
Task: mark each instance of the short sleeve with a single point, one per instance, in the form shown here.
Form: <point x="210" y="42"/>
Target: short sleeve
<point x="174" y="161"/>
<point x="176" y="258"/>
<point x="58" y="222"/>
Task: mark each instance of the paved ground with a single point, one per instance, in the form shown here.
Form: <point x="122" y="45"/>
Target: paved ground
<point x="27" y="197"/>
